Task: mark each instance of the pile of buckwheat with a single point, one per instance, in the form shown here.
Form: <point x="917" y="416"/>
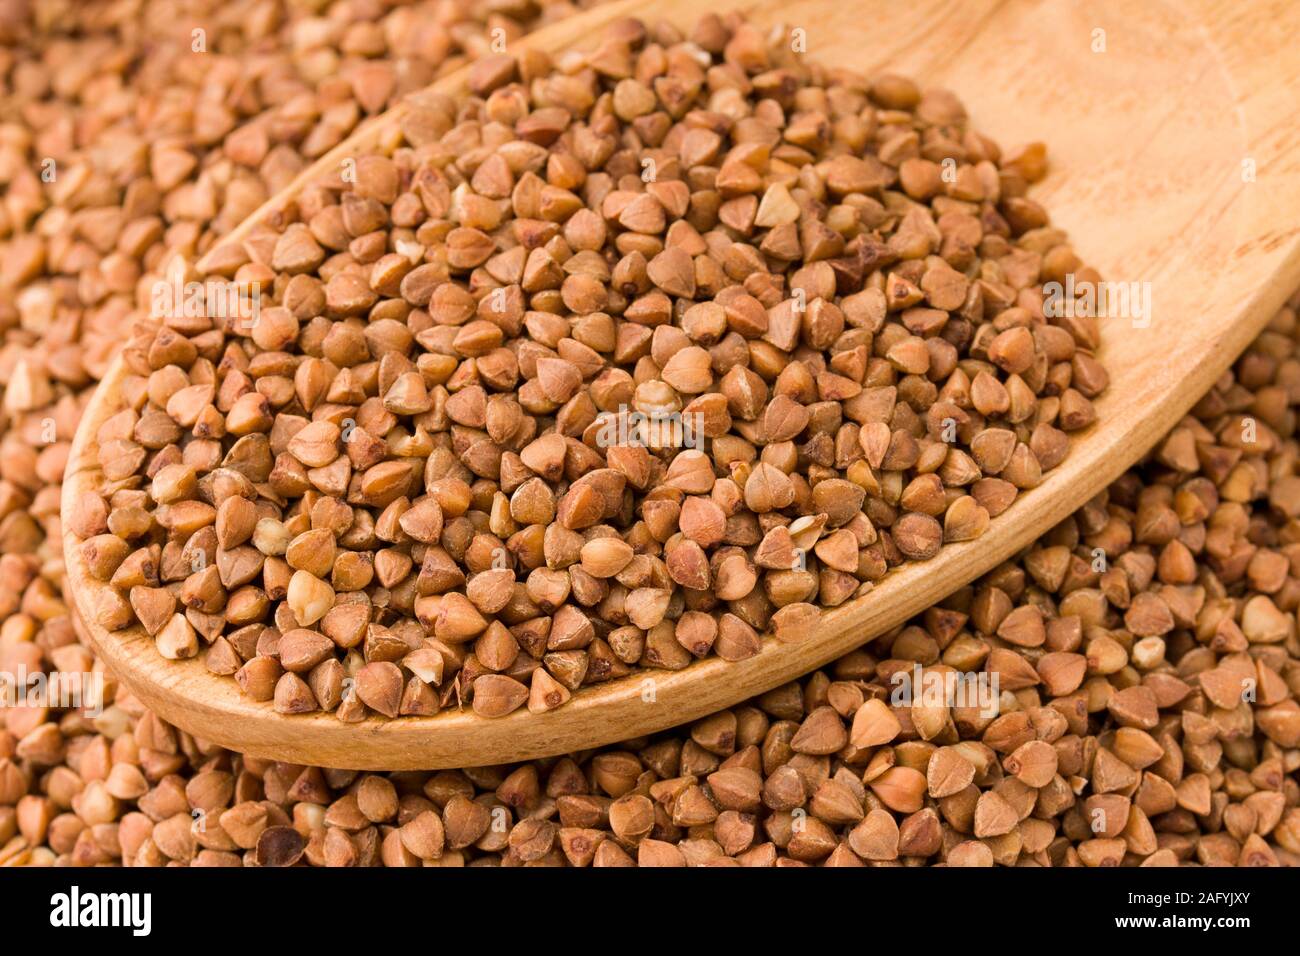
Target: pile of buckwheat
<point x="1145" y="650"/>
<point x="623" y="360"/>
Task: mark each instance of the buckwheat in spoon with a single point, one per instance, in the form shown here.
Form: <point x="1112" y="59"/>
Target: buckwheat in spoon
<point x="644" y="367"/>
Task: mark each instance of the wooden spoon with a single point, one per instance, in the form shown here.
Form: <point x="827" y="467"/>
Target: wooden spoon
<point x="1176" y="162"/>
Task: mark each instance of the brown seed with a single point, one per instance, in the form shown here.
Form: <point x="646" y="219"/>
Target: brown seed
<point x="795" y="622"/>
<point x="496" y="695"/>
<point x="301" y="649"/>
<point x="606" y="557"/>
<point x="293" y="695"/>
<point x="316" y="445"/>
<point x="379" y="686"/>
<point x="1034" y="763"/>
<point x="154" y="607"/>
<point x="993" y="815"/>
<point x="900" y="788"/>
<point x="822" y="732"/>
<point x="258" y="677"/>
<point x="873" y="724"/>
<point x="631" y="818"/>
<point x="965" y="520"/>
<point x="768" y="489"/>
<point x="279" y="846"/>
<point x="918" y="536"/>
<point x="948" y="773"/>
<point x="1023" y="627"/>
<point x="424" y="836"/>
<point x="545" y="693"/>
<point x="1012" y="350"/>
<point x="876" y="837"/>
<point x="177" y="640"/>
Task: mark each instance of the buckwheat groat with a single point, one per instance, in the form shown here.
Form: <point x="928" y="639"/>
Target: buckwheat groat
<point x="621" y="361"/>
<point x="121" y="786"/>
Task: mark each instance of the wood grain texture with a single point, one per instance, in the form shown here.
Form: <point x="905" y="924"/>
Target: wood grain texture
<point x="1147" y="142"/>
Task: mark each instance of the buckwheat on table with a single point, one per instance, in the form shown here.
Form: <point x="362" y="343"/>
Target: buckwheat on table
<point x="123" y="787"/>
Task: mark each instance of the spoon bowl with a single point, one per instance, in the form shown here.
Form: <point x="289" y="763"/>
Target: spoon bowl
<point x="1175" y="170"/>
